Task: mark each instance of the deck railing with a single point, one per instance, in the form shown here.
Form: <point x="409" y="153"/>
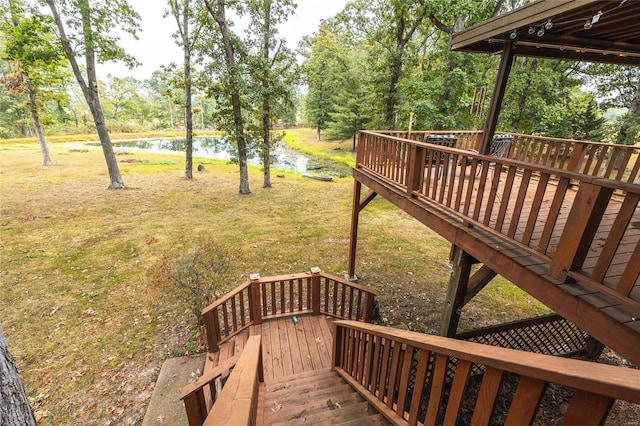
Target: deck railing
<point x="263" y="298"/>
<point x="237" y="401"/>
<point x="406" y="377"/>
<point x="524" y="204"/>
<point x="609" y="161"/>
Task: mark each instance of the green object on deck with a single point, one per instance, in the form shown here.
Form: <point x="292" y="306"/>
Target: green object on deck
<point x="294" y="319"/>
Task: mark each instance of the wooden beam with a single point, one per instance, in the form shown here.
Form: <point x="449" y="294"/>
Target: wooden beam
<point x="478" y="281"/>
<point x="353" y="238"/>
<point x="456" y="292"/>
<point x="506" y="62"/>
<point x="534" y="12"/>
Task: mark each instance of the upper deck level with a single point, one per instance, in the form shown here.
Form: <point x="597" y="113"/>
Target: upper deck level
<point x="558" y="218"/>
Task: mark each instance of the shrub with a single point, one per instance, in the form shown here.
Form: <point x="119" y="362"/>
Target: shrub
<point x="198" y="277"/>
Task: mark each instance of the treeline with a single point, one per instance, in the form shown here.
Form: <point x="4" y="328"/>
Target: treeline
<point x="371" y="66"/>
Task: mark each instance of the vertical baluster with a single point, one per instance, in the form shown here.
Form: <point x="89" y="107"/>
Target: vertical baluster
<point x="234" y="315"/>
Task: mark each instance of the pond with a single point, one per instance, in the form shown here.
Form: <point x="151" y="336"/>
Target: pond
<point x="282" y="157"/>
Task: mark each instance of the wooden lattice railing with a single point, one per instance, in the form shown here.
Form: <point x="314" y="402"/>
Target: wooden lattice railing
<point x="263" y="298"/>
<point x="615" y="162"/>
<point x="404" y="375"/>
<point x="524" y="204"/>
<point x="237" y="402"/>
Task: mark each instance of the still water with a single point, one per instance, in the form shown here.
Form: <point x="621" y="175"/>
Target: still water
<point x="282" y="157"/>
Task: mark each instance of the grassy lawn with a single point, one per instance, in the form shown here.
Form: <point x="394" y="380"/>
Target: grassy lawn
<point x="88" y="329"/>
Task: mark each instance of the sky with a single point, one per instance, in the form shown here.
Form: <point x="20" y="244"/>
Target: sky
<point x="156" y="45"/>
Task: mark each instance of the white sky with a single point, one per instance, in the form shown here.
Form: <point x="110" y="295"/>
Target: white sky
<point x="156" y="45"/>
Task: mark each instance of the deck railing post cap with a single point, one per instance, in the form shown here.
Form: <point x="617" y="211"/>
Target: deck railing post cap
<point x="254" y="277"/>
<point x="315" y="270"/>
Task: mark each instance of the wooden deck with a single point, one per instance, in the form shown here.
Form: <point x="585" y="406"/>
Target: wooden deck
<point x="570" y="240"/>
<point x="288" y="348"/>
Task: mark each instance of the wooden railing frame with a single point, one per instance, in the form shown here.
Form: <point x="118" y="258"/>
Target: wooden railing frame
<point x="197" y="403"/>
<point x="409" y="174"/>
<point x="610" y="161"/>
<point x="237" y="402"/>
<point x="264" y="298"/>
<point x="376" y="361"/>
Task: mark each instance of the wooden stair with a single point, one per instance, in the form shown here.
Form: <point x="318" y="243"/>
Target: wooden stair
<point x="318" y="397"/>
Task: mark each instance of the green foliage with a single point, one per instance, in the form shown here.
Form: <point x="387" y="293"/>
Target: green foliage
<point x="325" y="68"/>
<point x="99" y="36"/>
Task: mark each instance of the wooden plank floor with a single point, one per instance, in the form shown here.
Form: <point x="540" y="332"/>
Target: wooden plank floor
<point x="287" y="348"/>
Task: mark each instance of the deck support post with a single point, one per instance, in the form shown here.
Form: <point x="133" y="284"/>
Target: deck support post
<point x="254" y="300"/>
<point x="456" y="292"/>
<point x="506" y="62"/>
<point x="315" y="291"/>
<point x="355" y="216"/>
<point x="212" y="329"/>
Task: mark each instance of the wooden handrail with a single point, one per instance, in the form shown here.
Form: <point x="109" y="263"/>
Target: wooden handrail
<point x="237" y="403"/>
<point x="195" y="402"/>
<point x="396" y="370"/>
<point x="282" y="296"/>
<point x="598" y="159"/>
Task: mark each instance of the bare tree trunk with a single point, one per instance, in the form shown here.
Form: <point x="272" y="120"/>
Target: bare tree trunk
<point x="188" y="171"/>
<point x="46" y="157"/>
<point x="171" y="114"/>
<point x="229" y="55"/>
<point x="90" y="87"/>
<point x="33" y="106"/>
<point x="14" y="406"/>
<point x="266" y="107"/>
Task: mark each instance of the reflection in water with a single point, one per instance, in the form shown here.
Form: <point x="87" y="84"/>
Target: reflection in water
<point x="282" y="157"/>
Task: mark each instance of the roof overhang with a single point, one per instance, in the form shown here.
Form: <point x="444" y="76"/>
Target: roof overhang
<point x="606" y="31"/>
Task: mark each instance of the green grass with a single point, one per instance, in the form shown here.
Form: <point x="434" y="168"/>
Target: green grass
<point x="304" y="140"/>
<point x="87" y="327"/>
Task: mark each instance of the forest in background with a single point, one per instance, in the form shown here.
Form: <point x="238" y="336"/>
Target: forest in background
<point x="368" y="67"/>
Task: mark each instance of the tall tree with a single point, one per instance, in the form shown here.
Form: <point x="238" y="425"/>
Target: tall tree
<point x="390" y="27"/>
<point x="183" y="14"/>
<point x="324" y="68"/>
<point x="272" y="68"/>
<point x="353" y="100"/>
<point x="233" y="79"/>
<point x="14" y="409"/>
<point x="90" y="37"/>
<point x="36" y="63"/>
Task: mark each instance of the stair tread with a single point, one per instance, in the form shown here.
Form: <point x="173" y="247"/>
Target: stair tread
<point x="300" y="377"/>
<point x="311" y="405"/>
<point x="321" y="415"/>
<point x="309" y="387"/>
<point x="370" y="420"/>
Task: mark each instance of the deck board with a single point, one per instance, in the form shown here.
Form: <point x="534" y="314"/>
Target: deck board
<point x="287" y="348"/>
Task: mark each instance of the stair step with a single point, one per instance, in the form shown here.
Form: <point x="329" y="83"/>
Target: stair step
<point x="302" y="377"/>
<point x="299" y="395"/>
<point x="291" y="408"/>
<point x="371" y="420"/>
<point x="302" y="388"/>
<point x="304" y="399"/>
<point x="325" y="416"/>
